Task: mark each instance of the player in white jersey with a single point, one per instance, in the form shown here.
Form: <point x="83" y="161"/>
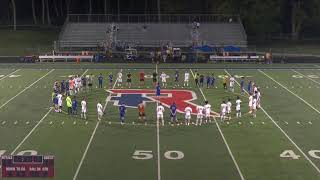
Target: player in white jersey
<point x="160" y="110"/>
<point x="79" y="83"/>
<point x="250" y="103"/>
<point x="229" y="104"/>
<point x="188" y="112"/>
<point x="59" y="96"/>
<point x="163" y="78"/>
<point x="207" y="109"/>
<point x="258" y="98"/>
<point x="231" y="83"/>
<point x="119" y="79"/>
<point x="254" y="107"/>
<point x="84" y="109"/>
<point x="99" y="110"/>
<point x="200" y="110"/>
<point x="223" y="109"/>
<point x="238" y="107"/>
<point x="186" y="78"/>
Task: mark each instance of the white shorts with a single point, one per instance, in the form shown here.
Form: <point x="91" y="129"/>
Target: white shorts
<point x="100" y="113"/>
<point x="119" y="80"/>
<point x="229" y="111"/>
<point x="238" y="108"/>
<point x="254" y="107"/>
<point x="250" y="104"/>
<point x="199" y="116"/>
<point x="223" y="113"/>
<point x="231" y="85"/>
<point x="160" y="116"/>
<point x="84" y="110"/>
<point x="186" y="80"/>
<point x="207" y="115"/>
<point x="59" y="103"/>
<point x="188" y="116"/>
<point x="164" y="80"/>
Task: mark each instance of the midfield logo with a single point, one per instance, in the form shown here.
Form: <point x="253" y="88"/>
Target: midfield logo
<point x="132" y="97"/>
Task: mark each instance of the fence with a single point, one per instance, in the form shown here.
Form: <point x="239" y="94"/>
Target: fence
<point x="152" y="18"/>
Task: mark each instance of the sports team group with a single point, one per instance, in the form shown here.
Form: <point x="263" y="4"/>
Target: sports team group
<point x="76" y="84"/>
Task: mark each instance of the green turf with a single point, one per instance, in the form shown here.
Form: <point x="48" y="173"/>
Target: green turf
<point x="255" y="144"/>
<point x="27" y="42"/>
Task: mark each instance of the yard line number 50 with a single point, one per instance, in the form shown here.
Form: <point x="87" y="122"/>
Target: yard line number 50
<point x="145" y="155"/>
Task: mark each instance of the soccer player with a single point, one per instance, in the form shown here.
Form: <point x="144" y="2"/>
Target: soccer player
<point x="207" y="108"/>
<point x="201" y="80"/>
<point x="200" y="110"/>
<point x="154" y="78"/>
<point x="141" y="109"/>
<point x="208" y="80"/>
<point x="119" y="79"/>
<point x="74" y="106"/>
<point x="229" y="104"/>
<point x="59" y="97"/>
<point x="71" y="85"/>
<point x="141" y="75"/>
<point x="258" y="98"/>
<point x="176" y="79"/>
<point x="62" y="87"/>
<point x="84" y="83"/>
<point x="254" y="107"/>
<point x="90" y="81"/>
<point x="79" y="83"/>
<point x="242" y="84"/>
<point x="129" y="80"/>
<point x="110" y="77"/>
<point x="212" y="81"/>
<point x="84" y="108"/>
<point x="163" y="77"/>
<point x="55" y="103"/>
<point x="122" y="111"/>
<point x="196" y="78"/>
<point x="158" y="90"/>
<point x="250" y="102"/>
<point x="231" y="83"/>
<point x="238" y="107"/>
<point x="160" y="110"/>
<point x="223" y="109"/>
<point x="188" y="112"/>
<point x="224" y="82"/>
<point x="76" y="85"/>
<point x="186" y="79"/>
<point x="249" y="87"/>
<point x="67" y="88"/>
<point x="99" y="110"/>
<point x="173" y="112"/>
<point x="69" y="104"/>
<point x="100" y="80"/>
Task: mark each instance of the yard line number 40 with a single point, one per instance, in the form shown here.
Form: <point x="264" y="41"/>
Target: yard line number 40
<point x="145" y="155"/>
<point x="290" y="154"/>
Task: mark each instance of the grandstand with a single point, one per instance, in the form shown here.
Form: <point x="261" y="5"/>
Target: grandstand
<point x="91" y="31"/>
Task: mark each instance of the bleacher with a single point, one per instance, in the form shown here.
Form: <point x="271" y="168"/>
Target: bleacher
<point x="90" y="33"/>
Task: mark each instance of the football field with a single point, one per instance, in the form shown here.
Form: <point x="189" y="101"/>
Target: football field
<point x="281" y="143"/>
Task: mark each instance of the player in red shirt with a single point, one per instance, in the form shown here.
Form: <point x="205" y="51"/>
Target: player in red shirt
<point x="141" y="77"/>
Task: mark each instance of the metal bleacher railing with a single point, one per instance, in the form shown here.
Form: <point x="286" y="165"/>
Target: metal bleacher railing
<point x="151" y="18"/>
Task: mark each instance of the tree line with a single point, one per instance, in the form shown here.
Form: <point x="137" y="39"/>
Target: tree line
<point x="260" y="17"/>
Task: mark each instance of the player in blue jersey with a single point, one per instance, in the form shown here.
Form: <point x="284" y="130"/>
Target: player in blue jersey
<point x="158" y="90"/>
<point x="249" y="86"/>
<point x="122" y="111"/>
<point x="212" y="81"/>
<point x="176" y="79"/>
<point x="100" y="80"/>
<point x="110" y="77"/>
<point x="74" y="106"/>
<point x="173" y="112"/>
<point x="242" y="84"/>
<point x="208" y="80"/>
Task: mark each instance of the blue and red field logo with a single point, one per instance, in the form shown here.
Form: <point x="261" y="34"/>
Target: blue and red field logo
<point x="132" y="97"/>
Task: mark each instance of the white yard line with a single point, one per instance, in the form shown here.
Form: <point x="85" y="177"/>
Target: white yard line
<point x="32" y="130"/>
<point x="92" y="136"/>
<point x="306" y="76"/>
<point x="158" y="138"/>
<point x="25" y="89"/>
<point x="287" y="136"/>
<point x="224" y="139"/>
<point x="290" y="91"/>
<point x="9" y="74"/>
